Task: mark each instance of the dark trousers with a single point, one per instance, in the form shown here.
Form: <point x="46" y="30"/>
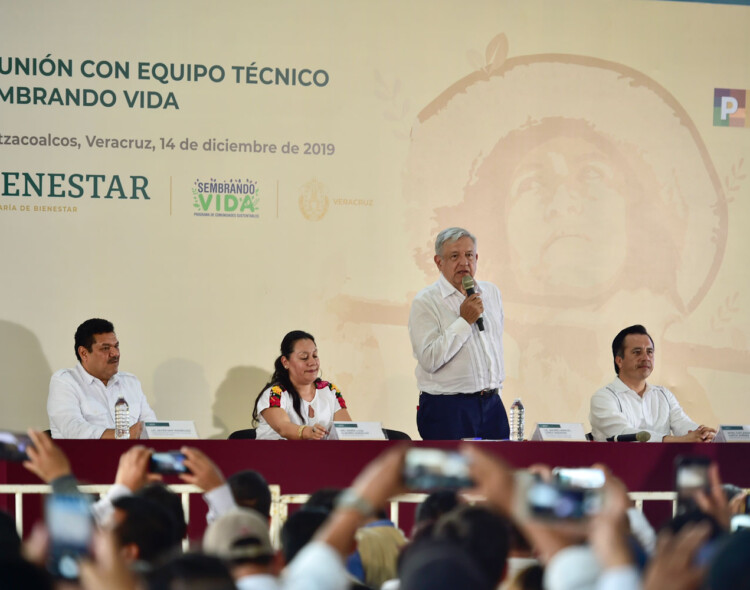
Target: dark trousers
<point x="452" y="417"/>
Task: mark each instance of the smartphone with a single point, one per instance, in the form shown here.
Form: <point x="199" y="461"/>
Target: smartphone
<point x="572" y="494"/>
<point x="434" y="469"/>
<point x="13" y="446"/>
<point x="691" y="475"/>
<point x="169" y="463"/>
<point x="71" y="526"/>
<point x="586" y="478"/>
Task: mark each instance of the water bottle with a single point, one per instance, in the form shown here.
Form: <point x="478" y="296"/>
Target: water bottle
<point x="122" y="419"/>
<point x="516" y="420"/>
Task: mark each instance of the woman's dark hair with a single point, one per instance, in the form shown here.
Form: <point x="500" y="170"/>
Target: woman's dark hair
<point x="280" y="375"/>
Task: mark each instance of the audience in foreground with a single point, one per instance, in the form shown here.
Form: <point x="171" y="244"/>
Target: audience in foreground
<point x="137" y="543"/>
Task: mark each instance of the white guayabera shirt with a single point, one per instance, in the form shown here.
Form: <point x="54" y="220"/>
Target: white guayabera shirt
<point x="81" y="406"/>
<point x="617" y="409"/>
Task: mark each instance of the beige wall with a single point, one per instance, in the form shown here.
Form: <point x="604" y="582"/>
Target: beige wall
<point x="575" y="139"/>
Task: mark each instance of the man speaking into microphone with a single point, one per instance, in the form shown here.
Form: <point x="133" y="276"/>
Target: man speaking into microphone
<point x="456" y="332"/>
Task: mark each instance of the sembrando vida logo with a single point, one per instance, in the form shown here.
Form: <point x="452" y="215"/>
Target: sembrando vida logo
<point x="226" y="198"/>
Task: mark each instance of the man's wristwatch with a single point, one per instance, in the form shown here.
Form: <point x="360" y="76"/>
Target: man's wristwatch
<point x="351" y="500"/>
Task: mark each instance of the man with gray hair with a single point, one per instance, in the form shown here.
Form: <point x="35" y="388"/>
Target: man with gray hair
<point x="457" y="339"/>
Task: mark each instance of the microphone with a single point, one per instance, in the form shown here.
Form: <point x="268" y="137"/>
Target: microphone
<point x="641" y="436"/>
<point x="468" y="285"/>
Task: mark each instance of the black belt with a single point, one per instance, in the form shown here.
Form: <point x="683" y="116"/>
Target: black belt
<point x="481" y="393"/>
<point x="485" y="392"/>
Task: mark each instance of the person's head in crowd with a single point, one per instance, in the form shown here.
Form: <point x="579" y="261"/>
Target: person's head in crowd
<point x="17" y="573"/>
<point x="192" y="571"/>
<point x="97" y="348"/>
<point x="624" y="359"/>
<point x="10" y="542"/>
<point x="250" y="490"/>
<point x="144" y="530"/>
<point x="530" y="578"/>
<point x="159" y="493"/>
<point x="731" y="566"/>
<point x="518" y="544"/>
<point x="483" y="534"/>
<point x="323" y="499"/>
<point x="299" y="529"/>
<point x="297" y="365"/>
<point x="431" y="509"/>
<point x="695" y="515"/>
<point x="241" y="538"/>
<point x="379" y="545"/>
<point x="712" y="544"/>
<point x="436" y="504"/>
<point x="441" y="565"/>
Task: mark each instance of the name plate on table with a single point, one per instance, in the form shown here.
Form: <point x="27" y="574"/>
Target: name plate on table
<point x="169" y="429"/>
<point x="571" y="431"/>
<point x="356" y="431"/>
<point x="730" y="433"/>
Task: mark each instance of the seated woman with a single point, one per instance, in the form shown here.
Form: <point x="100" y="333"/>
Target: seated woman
<point x="296" y="404"/>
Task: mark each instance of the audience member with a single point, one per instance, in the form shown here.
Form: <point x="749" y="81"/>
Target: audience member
<point x="730" y="568"/>
<point x="18" y="574"/>
<point x="145" y="531"/>
<point x="530" y="577"/>
<point x="250" y="490"/>
<point x="192" y="571"/>
<point x="431" y="509"/>
<point x="10" y="542"/>
<point x="481" y="533"/>
<point x="324" y="499"/>
<point x="159" y="493"/>
<point x="207" y="476"/>
<point x="240" y="537"/>
<point x="132" y="475"/>
<point x="379" y="543"/>
<point x="299" y="529"/>
<point x="467" y="547"/>
<point x="440" y="565"/>
<point x="522" y="565"/>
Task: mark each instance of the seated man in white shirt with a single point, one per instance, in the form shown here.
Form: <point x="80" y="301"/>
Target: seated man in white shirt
<point x="629" y="404"/>
<point x="81" y="402"/>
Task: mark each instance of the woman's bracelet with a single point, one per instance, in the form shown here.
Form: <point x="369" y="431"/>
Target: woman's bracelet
<point x="299" y="431"/>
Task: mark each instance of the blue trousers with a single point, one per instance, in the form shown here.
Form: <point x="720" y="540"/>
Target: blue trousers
<point x="453" y="417"/>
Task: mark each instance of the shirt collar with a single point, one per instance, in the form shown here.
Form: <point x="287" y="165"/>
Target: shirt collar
<point x="621" y="387"/>
<point x="446" y="289"/>
<point x="88" y="378"/>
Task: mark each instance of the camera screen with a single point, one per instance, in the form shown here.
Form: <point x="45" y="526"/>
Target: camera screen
<point x="548" y="501"/>
<point x="692" y="477"/>
<point x="431" y="469"/>
<point x="70" y="526"/>
<point x="584" y="478"/>
<point x="13" y="446"/>
<point x="168" y="463"/>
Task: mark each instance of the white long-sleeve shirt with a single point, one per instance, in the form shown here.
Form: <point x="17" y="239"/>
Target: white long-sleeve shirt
<point x="81" y="406"/>
<point x="617" y="409"/>
<point x="452" y="355"/>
